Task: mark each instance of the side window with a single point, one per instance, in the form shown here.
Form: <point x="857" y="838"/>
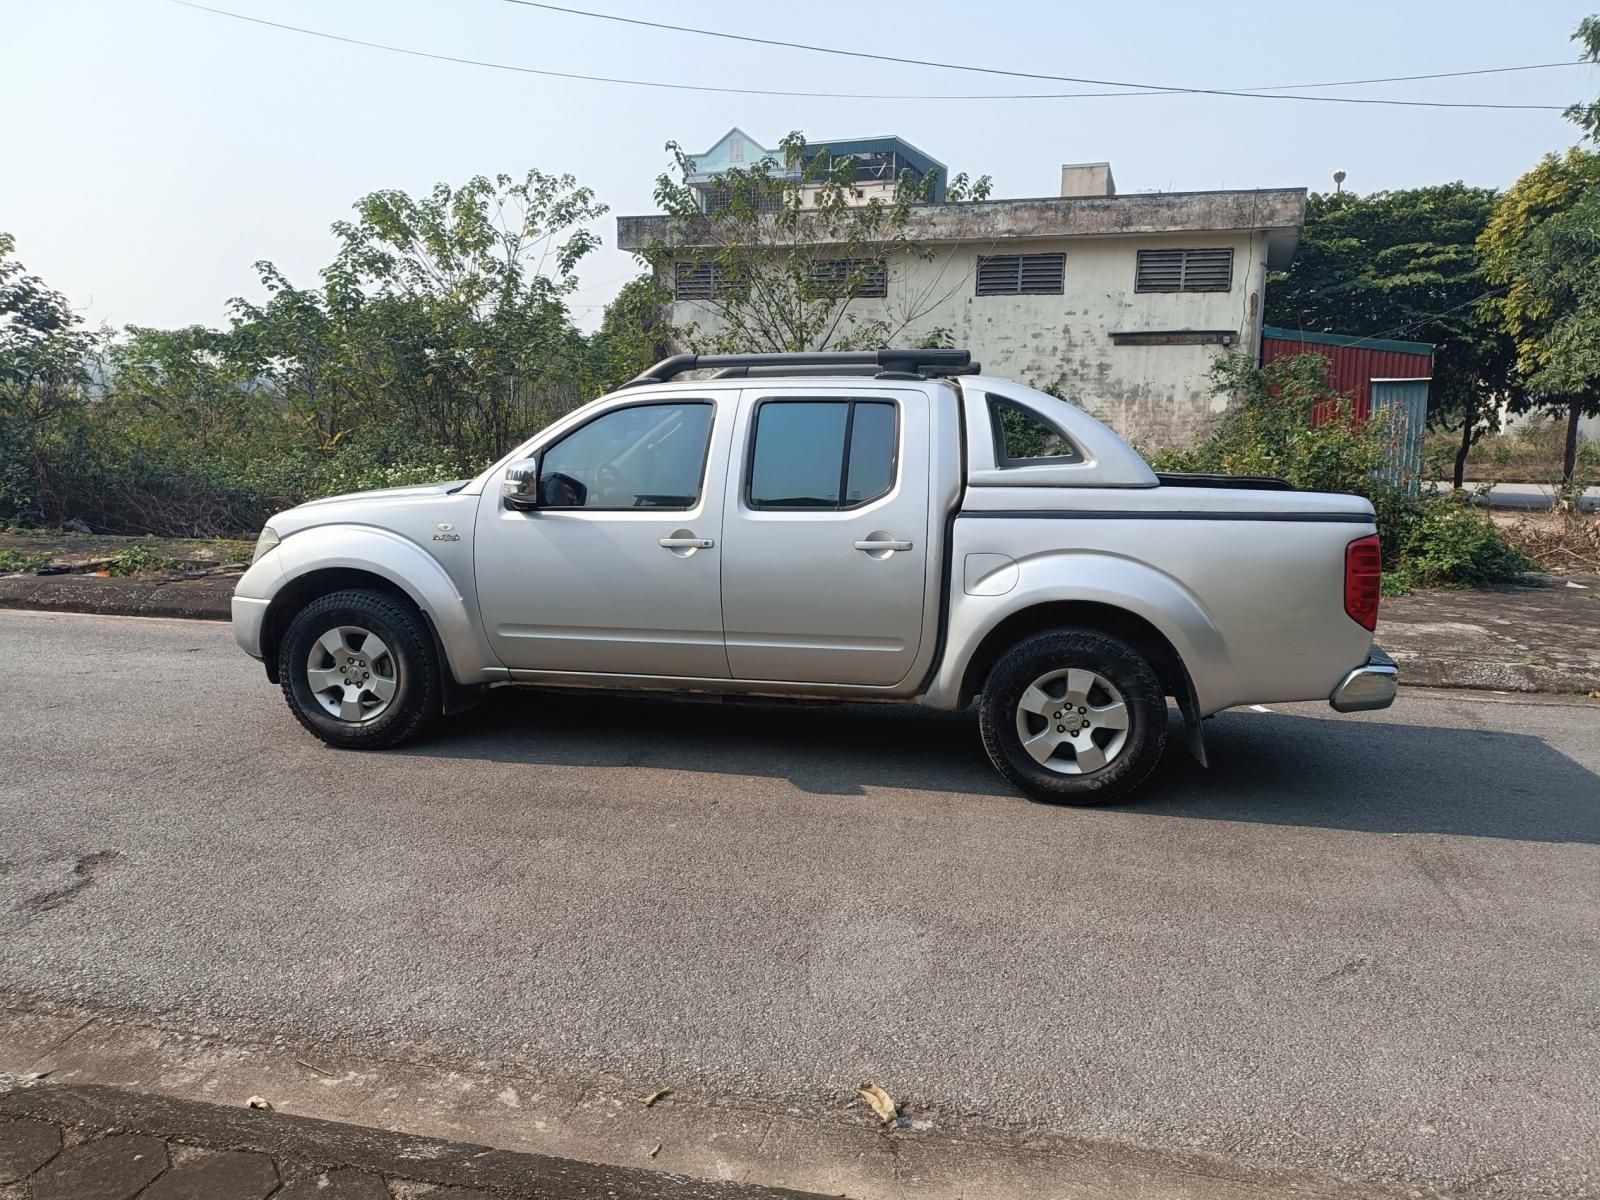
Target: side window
<point x="646" y="456"/>
<point x="822" y="454"/>
<point x="1021" y="437"/>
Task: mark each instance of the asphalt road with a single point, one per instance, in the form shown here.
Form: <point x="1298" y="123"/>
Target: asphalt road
<point x="1366" y="944"/>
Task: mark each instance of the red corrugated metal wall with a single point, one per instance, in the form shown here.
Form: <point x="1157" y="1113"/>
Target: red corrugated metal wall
<point x="1353" y="368"/>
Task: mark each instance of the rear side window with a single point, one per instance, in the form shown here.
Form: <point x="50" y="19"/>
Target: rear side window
<point x="822" y="454"/>
<point x="1022" y="437"/>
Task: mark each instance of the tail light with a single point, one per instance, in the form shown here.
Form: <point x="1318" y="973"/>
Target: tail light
<point x="1363" y="580"/>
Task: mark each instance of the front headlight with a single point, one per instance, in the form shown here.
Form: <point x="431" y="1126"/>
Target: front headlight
<point x="268" y="539"/>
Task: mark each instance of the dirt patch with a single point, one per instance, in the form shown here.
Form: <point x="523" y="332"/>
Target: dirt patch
<point x="86" y="553"/>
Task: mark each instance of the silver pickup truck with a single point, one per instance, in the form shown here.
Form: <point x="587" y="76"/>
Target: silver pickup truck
<point x="880" y="525"/>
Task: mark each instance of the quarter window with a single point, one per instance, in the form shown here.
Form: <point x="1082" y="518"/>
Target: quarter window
<point x="822" y="454"/>
<point x="645" y="456"/>
<point x="1021" y="437"/>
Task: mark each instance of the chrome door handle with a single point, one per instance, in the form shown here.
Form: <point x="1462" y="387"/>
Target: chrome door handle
<point x="886" y="544"/>
<point x="689" y="543"/>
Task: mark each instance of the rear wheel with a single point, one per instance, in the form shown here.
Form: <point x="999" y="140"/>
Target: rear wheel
<point x="358" y="670"/>
<point x="1072" y="716"/>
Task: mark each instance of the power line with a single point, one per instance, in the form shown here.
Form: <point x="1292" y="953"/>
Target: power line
<point x="1250" y="93"/>
<point x="1291" y="87"/>
<point x="700" y="87"/>
<point x="1427" y="320"/>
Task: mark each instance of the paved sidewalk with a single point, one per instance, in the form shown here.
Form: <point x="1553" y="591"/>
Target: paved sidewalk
<point x="102" y="1143"/>
<point x="1524" y="497"/>
<point x="1513" y="639"/>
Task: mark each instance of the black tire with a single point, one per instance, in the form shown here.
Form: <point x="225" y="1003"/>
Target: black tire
<point x="1116" y="662"/>
<point x="417" y="694"/>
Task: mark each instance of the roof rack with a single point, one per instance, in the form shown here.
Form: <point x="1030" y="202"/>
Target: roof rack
<point x="892" y="364"/>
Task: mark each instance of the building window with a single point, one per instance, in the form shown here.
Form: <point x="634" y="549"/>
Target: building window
<point x="770" y="197"/>
<point x="833" y="278"/>
<point x="1021" y="274"/>
<point x="822" y="454"/>
<point x="705" y="281"/>
<point x="736" y="149"/>
<point x="1184" y="271"/>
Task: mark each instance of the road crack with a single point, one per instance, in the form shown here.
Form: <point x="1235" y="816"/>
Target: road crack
<point x="85" y="870"/>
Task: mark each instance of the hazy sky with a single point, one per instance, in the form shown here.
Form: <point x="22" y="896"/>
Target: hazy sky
<point x="149" y="153"/>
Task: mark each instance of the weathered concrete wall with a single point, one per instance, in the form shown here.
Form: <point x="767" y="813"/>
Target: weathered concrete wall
<point x="1156" y="395"/>
<point x="1280" y="211"/>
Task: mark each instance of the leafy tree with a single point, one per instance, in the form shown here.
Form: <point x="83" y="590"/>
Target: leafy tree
<point x="1543" y="247"/>
<point x="1587" y="116"/>
<point x="45" y="357"/>
<point x="445" y="314"/>
<point x="792" y="255"/>
<point x="186" y="387"/>
<point x="1407" y="264"/>
<point x="633" y="333"/>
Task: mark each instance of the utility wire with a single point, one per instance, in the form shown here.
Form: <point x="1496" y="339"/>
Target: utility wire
<point x="698" y="87"/>
<point x="1254" y="93"/>
<point x="1427" y="320"/>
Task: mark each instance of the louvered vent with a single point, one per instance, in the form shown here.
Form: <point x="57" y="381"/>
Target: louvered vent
<point x="1021" y="274"/>
<point x="702" y="281"/>
<point x="1184" y="271"/>
<point x="832" y="278"/>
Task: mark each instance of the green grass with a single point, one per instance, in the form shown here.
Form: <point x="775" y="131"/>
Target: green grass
<point x="12" y="561"/>
<point x="140" y="560"/>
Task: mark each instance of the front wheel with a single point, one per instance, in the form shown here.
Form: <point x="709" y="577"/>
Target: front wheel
<point x="358" y="670"/>
<point x="1072" y="716"/>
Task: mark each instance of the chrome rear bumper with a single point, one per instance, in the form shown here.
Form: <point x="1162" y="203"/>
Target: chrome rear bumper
<point x="1368" y="687"/>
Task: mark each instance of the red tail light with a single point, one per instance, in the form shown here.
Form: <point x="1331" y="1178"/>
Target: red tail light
<point x="1363" y="580"/>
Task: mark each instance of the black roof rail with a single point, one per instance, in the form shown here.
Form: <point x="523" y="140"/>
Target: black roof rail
<point x="903" y="363"/>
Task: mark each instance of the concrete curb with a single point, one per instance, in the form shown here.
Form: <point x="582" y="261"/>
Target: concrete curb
<point x="1418" y="672"/>
<point x="337" y="1101"/>
<point x="329" y="1144"/>
<point x="205" y="598"/>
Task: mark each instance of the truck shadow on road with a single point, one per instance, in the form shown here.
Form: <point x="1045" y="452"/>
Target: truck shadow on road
<point x="1370" y="775"/>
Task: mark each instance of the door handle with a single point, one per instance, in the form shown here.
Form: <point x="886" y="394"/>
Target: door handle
<point x="687" y="543"/>
<point x="870" y="544"/>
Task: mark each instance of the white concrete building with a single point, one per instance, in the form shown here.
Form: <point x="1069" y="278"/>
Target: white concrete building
<point x="1118" y="302"/>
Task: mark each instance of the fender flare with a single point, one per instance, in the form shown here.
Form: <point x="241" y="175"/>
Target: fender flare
<point x="401" y="563"/>
<point x="1092" y="577"/>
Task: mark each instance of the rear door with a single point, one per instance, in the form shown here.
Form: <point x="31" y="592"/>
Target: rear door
<point x="825" y="535"/>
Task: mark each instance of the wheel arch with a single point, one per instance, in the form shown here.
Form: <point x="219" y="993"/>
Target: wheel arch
<point x="333" y="557"/>
<point x="1139" y="632"/>
<point x="301" y="590"/>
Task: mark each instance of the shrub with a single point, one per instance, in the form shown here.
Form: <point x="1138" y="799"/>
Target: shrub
<point x="12" y="561"/>
<point x="1453" y="543"/>
<point x="139" y="559"/>
<point x="1287" y="420"/>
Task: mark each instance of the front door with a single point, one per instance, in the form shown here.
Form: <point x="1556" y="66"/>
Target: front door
<point x="618" y="570"/>
<point x="826" y="536"/>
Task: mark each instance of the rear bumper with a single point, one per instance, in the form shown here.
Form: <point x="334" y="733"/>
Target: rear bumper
<point x="1368" y="687"/>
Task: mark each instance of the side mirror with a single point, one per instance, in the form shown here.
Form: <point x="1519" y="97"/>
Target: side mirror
<point x="520" y="489"/>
